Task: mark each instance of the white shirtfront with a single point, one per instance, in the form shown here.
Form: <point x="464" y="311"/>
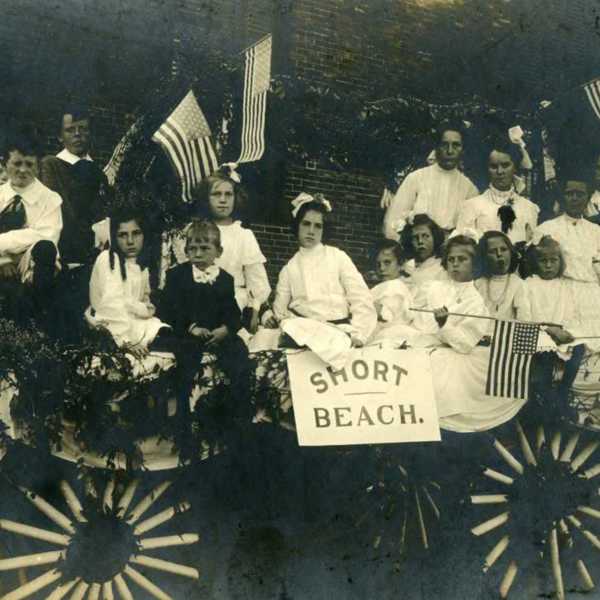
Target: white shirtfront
<point x="71" y="158"/>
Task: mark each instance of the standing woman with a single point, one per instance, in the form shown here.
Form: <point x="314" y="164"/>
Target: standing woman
<point x="500" y="208"/>
<point x="321" y="300"/>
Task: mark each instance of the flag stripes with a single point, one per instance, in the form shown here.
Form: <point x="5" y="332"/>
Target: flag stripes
<point x="257" y="79"/>
<point x="185" y="137"/>
<point x="510" y="359"/>
<point x="592" y="91"/>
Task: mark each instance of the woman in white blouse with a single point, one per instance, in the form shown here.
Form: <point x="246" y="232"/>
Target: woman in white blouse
<point x="500" y="208"/>
<point x="321" y="300"/>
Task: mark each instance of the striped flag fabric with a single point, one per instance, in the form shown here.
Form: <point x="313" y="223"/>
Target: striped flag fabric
<point x="185" y="137"/>
<point x="257" y="80"/>
<point x="511" y="353"/>
<point x="592" y="91"/>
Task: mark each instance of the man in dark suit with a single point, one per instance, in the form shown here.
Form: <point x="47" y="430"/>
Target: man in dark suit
<point x="82" y="185"/>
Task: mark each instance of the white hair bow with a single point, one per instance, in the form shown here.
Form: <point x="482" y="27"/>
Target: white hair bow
<point x="303" y="198"/>
<point x="466" y="232"/>
<point x="230" y="168"/>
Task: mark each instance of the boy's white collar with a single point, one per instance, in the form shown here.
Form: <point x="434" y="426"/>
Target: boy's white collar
<point x="208" y="275"/>
<point x="71" y="158"/>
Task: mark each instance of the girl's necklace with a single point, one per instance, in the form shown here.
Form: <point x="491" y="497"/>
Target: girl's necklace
<point x="498" y="300"/>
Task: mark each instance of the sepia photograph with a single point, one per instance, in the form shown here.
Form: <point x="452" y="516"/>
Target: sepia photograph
<point x="300" y="299"/>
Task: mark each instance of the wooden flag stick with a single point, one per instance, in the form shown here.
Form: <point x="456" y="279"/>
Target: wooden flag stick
<point x="488" y="318"/>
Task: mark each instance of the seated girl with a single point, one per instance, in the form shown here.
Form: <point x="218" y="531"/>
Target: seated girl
<point x="391" y="296"/>
<point x="218" y="199"/>
<point x="199" y="303"/>
<point x="455" y="295"/>
<point x="422" y="240"/>
<point x="120" y="288"/>
<point x="321" y="300"/>
<point x="500" y="208"/>
<point x="556" y="300"/>
<point x="503" y="291"/>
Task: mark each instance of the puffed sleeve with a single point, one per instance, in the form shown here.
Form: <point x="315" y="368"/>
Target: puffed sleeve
<point x="107" y="300"/>
<point x="253" y="266"/>
<point x="283" y="295"/>
<point x="464" y="333"/>
<point x="467" y="215"/>
<point x="521" y="300"/>
<point x="364" y="316"/>
<point x="401" y="205"/>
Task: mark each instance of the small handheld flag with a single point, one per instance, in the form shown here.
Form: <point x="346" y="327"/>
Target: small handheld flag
<point x="511" y="353"/>
<point x="257" y="80"/>
<point x="185" y="137"/>
<point x="592" y="91"/>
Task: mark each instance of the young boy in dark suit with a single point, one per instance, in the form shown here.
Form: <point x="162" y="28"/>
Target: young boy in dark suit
<point x="198" y="301"/>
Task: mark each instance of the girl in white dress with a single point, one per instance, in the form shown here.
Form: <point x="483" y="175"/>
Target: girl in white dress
<point x="218" y="198"/>
<point x="120" y="288"/>
<point x="459" y="367"/>
<point x="321" y="299"/>
<point x="500" y="208"/>
<point x="502" y="289"/>
<point x="391" y="296"/>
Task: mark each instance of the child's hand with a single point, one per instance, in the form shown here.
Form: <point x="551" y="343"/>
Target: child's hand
<point x="441" y="315"/>
<point x="356" y="342"/>
<point x="200" y="332"/>
<point x="151" y="309"/>
<point x="270" y="321"/>
<point x="378" y="306"/>
<point x="559" y="335"/>
<point x="216" y="336"/>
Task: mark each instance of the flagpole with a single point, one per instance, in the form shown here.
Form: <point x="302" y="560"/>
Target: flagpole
<point x="456" y="314"/>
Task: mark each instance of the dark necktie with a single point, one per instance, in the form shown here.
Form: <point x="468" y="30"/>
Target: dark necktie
<point x="13" y="215"/>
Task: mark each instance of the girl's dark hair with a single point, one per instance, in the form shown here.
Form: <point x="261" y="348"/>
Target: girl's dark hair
<point x="436" y="232"/>
<point x="546" y="243"/>
<point x="200" y="208"/>
<point x="483" y="249"/>
<point x="317" y="206"/>
<point x="120" y="216"/>
<point x="463" y="240"/>
<point x="392" y="245"/>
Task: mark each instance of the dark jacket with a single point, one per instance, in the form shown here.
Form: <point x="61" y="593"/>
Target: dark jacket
<point x="184" y="302"/>
<point x="81" y="187"/>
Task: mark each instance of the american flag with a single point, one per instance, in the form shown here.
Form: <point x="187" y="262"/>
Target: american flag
<point x="185" y="137"/>
<point x="592" y="91"/>
<point x="510" y="359"/>
<point x="257" y="80"/>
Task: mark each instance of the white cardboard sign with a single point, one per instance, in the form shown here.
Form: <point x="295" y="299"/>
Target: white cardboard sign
<point x="380" y="397"/>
